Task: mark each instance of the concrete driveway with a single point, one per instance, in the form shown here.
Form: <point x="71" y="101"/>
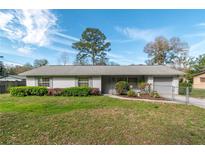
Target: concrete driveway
<point x="193" y="101"/>
<point x="178" y="99"/>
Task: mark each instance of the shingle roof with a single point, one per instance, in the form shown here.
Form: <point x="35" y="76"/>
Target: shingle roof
<point x="202" y="72"/>
<point x="12" y="78"/>
<point x="72" y="70"/>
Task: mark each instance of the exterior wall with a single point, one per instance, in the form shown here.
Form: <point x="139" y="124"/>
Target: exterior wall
<point x="63" y="82"/>
<point x="175" y="84"/>
<point x="196" y="82"/>
<point x="30" y="81"/>
<point x="105" y="84"/>
<point x="96" y="82"/>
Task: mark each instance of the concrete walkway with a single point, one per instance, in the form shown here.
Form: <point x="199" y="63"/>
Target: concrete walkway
<point x="178" y="99"/>
<point x="146" y="100"/>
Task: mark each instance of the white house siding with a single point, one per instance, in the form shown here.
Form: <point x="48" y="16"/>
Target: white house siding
<point x="96" y="82"/>
<point x="30" y="81"/>
<point x="63" y="82"/>
<point x="175" y="84"/>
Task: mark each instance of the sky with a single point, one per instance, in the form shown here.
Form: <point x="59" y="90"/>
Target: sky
<point x="26" y="35"/>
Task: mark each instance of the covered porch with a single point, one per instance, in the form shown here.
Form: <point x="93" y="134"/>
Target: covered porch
<point x="108" y="82"/>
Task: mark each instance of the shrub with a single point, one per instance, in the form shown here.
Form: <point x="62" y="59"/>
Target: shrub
<point x="122" y="87"/>
<point x="95" y="91"/>
<point x="76" y="91"/>
<point x="155" y="94"/>
<point x="28" y="91"/>
<point x="55" y="91"/>
<point x="143" y="86"/>
<point x="131" y="93"/>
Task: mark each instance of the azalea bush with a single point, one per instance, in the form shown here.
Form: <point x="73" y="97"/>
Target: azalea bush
<point x="95" y="91"/>
<point x="55" y="91"/>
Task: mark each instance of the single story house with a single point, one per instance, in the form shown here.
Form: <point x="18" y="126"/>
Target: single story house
<point x="199" y="80"/>
<point x="162" y="78"/>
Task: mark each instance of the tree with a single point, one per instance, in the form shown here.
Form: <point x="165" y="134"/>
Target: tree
<point x="92" y="47"/>
<point x="178" y="53"/>
<point x="157" y="50"/>
<point x="63" y="58"/>
<point x="195" y="65"/>
<point x="15" y="70"/>
<point x="112" y="63"/>
<point x="164" y="51"/>
<point x="28" y="66"/>
<point x="40" y="62"/>
<point x="198" y="64"/>
<point x="2" y="69"/>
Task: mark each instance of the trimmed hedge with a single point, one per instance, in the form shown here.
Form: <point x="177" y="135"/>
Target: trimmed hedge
<point x="41" y="91"/>
<point x="28" y="91"/>
<point x="76" y="91"/>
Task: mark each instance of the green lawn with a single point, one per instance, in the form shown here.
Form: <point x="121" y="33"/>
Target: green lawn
<point x="198" y="93"/>
<point x="97" y="120"/>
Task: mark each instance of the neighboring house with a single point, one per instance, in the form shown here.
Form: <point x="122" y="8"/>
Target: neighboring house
<point x="161" y="78"/>
<point x="199" y="80"/>
<point x="12" y="78"/>
<point x="10" y="81"/>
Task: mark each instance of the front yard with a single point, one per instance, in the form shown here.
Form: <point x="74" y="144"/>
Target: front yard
<point x="198" y="93"/>
<point x="97" y="120"/>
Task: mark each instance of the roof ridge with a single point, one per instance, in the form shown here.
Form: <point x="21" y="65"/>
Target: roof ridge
<point x="106" y="65"/>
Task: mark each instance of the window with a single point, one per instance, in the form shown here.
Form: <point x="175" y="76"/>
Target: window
<point x="202" y="79"/>
<point x="43" y="82"/>
<point x="83" y="82"/>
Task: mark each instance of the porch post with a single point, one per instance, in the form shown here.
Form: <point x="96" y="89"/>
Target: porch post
<point x="150" y="80"/>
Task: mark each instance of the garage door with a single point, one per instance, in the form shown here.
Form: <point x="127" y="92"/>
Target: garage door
<point x="163" y="85"/>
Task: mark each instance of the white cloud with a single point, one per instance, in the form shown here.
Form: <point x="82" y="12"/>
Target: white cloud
<point x="141" y="34"/>
<point x="7" y="63"/>
<point x="71" y="38"/>
<point x="25" y="50"/>
<point x="197" y="48"/>
<point x="61" y="41"/>
<point x="59" y="49"/>
<point x="36" y="28"/>
<point x="28" y="26"/>
<point x="121" y="59"/>
<point x="5" y="19"/>
<point x="201" y="24"/>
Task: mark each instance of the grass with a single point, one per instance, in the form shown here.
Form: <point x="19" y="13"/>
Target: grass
<point x="198" y="93"/>
<point x="97" y="120"/>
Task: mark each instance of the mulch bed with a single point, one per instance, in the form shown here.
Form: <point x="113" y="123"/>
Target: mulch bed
<point x="143" y="96"/>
